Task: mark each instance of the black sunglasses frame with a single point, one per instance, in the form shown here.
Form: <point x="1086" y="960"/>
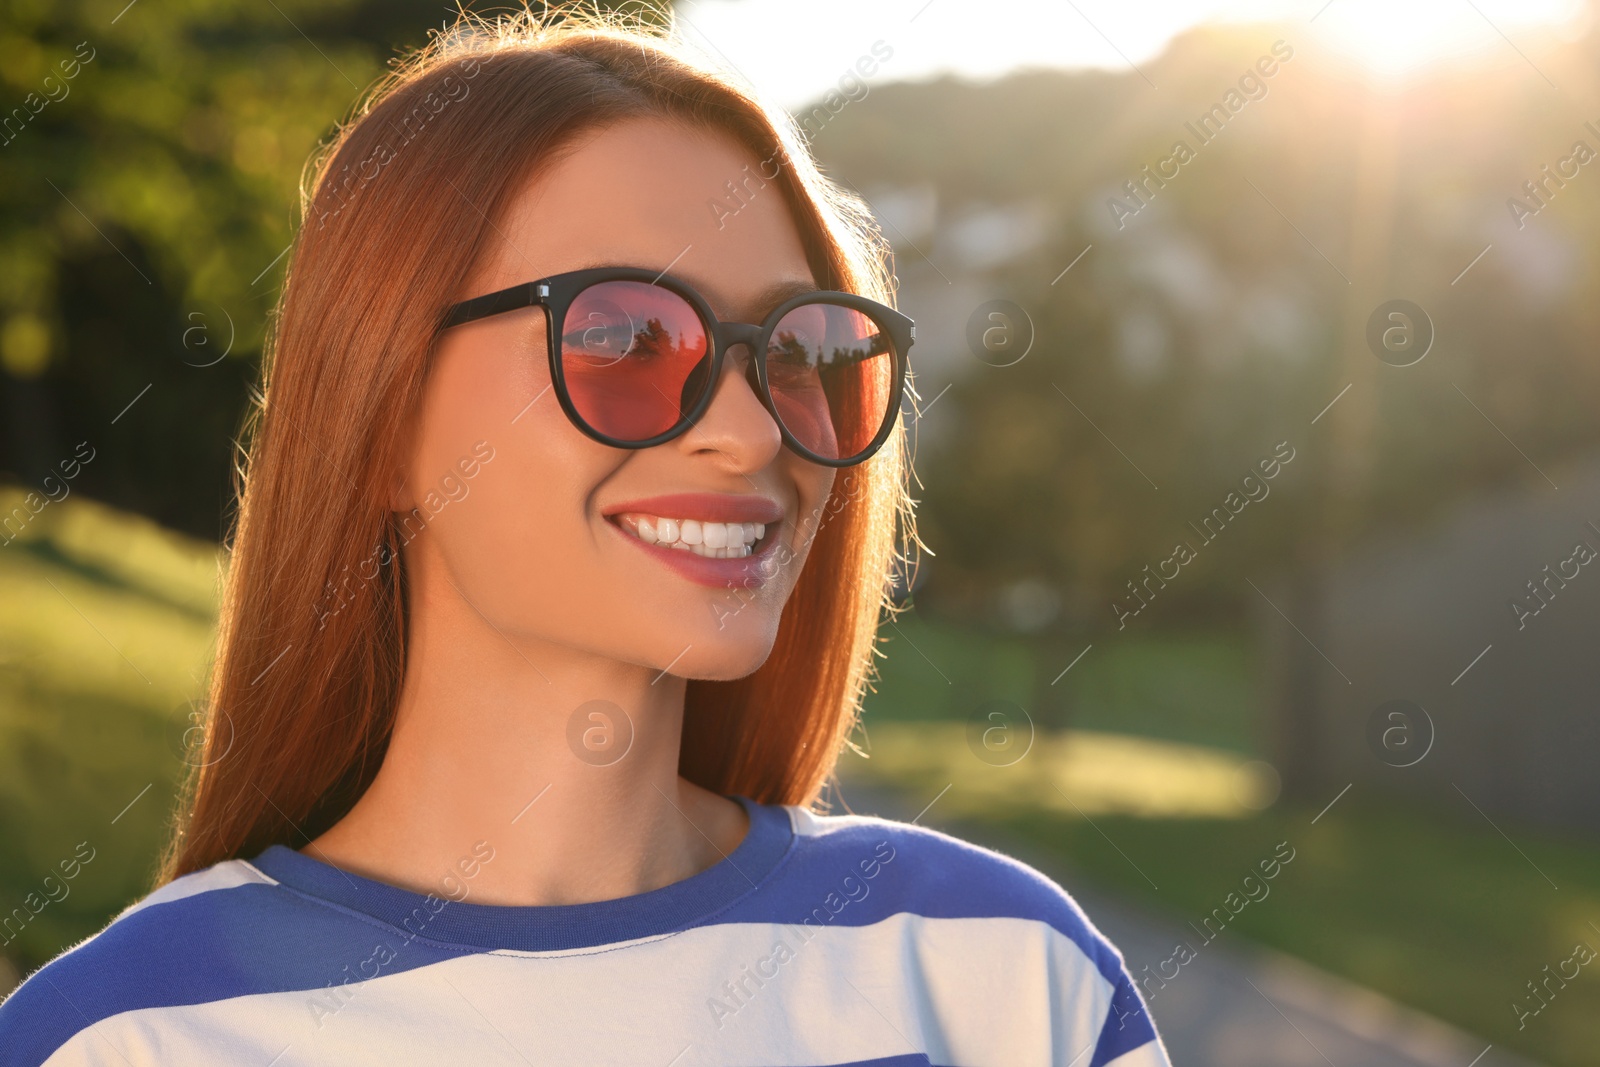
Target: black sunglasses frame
<point x="556" y="293"/>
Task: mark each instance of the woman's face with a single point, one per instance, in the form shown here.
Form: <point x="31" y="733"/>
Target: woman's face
<point x="542" y="538"/>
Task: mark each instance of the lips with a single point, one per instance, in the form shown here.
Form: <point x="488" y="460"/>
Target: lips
<point x="704" y="507"/>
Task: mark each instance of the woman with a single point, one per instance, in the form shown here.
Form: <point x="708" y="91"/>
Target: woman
<point x="567" y="524"/>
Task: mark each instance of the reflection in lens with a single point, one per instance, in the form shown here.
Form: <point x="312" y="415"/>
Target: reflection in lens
<point x="603" y="330"/>
<point x="632" y="356"/>
<point x="831" y="374"/>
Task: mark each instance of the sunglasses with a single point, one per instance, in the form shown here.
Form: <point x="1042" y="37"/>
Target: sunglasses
<point x="635" y="356"/>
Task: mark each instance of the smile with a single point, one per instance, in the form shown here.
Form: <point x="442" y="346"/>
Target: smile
<point x="721" y="540"/>
<point x="712" y="540"/>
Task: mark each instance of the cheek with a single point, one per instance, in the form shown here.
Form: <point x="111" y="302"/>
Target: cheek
<point x="515" y="536"/>
<point x="817" y="506"/>
<point x="485" y="378"/>
<point x="524" y="533"/>
<point x="486" y="395"/>
<point x="521" y="552"/>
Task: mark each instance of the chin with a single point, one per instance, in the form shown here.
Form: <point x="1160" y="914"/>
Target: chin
<point x="723" y="656"/>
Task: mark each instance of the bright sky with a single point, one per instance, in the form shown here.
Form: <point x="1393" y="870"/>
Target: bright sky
<point x="795" y="51"/>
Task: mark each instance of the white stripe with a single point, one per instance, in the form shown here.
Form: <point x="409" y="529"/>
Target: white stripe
<point x="228" y="874"/>
<point x="807" y="823"/>
<point x="992" y="992"/>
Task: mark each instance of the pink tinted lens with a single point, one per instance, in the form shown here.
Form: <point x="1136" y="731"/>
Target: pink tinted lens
<point x="635" y="358"/>
<point x="831" y="374"/>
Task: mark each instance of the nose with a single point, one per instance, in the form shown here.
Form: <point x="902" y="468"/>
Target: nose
<point x="736" y="424"/>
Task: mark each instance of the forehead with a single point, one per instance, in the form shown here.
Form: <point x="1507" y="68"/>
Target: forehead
<point x="655" y="193"/>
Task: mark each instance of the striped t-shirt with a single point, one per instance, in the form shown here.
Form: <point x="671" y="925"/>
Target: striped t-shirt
<point x="820" y="940"/>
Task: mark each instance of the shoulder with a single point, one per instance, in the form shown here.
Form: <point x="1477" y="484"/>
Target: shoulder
<point x="159" y="952"/>
<point x="941" y="876"/>
<point x="998" y="916"/>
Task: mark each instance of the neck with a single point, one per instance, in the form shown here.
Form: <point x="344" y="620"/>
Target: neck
<point x="520" y="749"/>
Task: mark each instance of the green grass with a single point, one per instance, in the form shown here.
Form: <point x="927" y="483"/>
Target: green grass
<point x="105" y="640"/>
<point x="1190" y="687"/>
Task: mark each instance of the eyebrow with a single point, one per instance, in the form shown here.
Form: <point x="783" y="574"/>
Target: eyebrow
<point x="764" y="301"/>
<point x="777" y="293"/>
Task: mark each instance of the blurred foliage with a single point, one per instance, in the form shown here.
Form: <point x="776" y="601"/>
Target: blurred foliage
<point x="150" y="196"/>
<point x="1209" y="327"/>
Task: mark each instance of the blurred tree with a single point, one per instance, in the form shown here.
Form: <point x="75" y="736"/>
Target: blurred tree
<point x="1226" y="313"/>
<point x="151" y="156"/>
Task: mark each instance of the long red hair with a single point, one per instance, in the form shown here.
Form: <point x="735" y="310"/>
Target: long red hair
<point x="312" y="641"/>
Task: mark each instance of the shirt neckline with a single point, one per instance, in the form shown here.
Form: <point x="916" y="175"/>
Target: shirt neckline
<point x="547" y="927"/>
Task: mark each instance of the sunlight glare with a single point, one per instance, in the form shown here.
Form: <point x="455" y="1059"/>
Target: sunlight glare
<point x="1397" y="39"/>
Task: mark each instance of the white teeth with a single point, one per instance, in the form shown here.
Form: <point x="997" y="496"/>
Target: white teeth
<point x="714" y="540"/>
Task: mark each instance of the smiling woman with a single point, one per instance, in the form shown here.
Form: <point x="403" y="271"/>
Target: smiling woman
<point x="540" y="698"/>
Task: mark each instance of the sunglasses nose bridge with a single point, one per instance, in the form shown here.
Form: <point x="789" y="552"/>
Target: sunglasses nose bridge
<point x="746" y="334"/>
<point x="738" y="333"/>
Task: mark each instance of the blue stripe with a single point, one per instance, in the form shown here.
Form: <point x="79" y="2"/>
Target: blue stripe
<point x="322" y="927"/>
<point x="841" y="879"/>
<point x="1128" y="1024"/>
<point x="210" y="946"/>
